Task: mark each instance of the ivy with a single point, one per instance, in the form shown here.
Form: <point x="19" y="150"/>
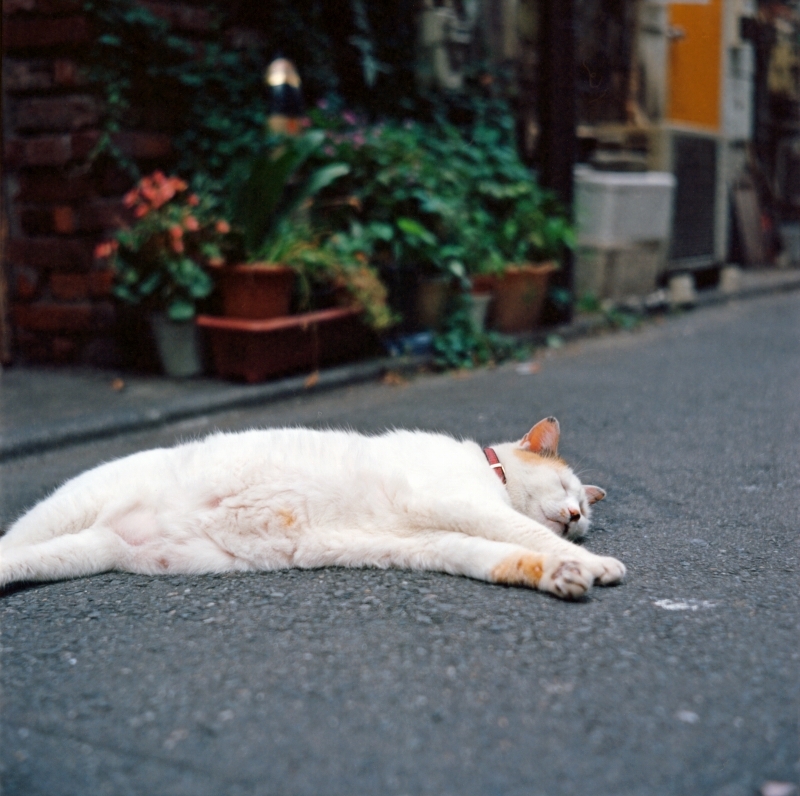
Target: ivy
<point x="208" y="97"/>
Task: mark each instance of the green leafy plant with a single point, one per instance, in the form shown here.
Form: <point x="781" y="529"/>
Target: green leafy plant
<point x="617" y="317"/>
<point x="447" y="199"/>
<point x="272" y="197"/>
<point x="162" y="260"/>
<point x="269" y="194"/>
<point x="461" y="345"/>
<point x="340" y="263"/>
<point x="204" y="91"/>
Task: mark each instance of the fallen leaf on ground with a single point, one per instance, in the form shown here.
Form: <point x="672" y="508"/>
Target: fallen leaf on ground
<point x="393" y="379"/>
<point x="311" y="379"/>
<point x="117" y="385"/>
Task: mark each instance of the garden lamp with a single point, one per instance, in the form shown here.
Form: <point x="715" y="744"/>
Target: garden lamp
<point x="285" y="96"/>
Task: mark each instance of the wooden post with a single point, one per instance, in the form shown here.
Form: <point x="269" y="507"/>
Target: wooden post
<point x="557" y="120"/>
<point x="5" y="324"/>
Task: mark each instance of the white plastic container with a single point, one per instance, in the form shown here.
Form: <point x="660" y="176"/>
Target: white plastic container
<point x="614" y="209"/>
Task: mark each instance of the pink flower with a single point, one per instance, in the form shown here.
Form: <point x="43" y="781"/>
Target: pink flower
<point x="349" y="117"/>
<point x="193" y="200"/>
<point x="223" y="227"/>
<point x="191" y="224"/>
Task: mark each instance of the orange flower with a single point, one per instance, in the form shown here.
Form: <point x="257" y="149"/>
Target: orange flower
<point x="147" y="188"/>
<point x="104" y="249"/>
<point x="157" y="189"/>
<point x="141" y="210"/>
<point x="223" y="227"/>
<point x="191" y="224"/>
<point x="192" y="200"/>
<point x="162" y="195"/>
<point x="130" y="198"/>
<point x="176" y="232"/>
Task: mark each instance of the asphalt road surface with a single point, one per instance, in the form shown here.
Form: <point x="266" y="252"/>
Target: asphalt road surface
<point x="683" y="680"/>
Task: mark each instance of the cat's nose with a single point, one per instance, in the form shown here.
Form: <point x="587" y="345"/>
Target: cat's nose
<point x="574" y="516"/>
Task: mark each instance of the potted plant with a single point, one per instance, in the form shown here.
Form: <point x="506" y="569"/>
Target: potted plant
<point x="330" y="330"/>
<point x="529" y="242"/>
<point x="268" y="205"/>
<point x="403" y="193"/>
<point x="536" y="236"/>
<point x="161" y="263"/>
<point x="271" y="204"/>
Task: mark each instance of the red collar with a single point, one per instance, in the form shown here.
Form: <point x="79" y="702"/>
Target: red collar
<point x="494" y="463"/>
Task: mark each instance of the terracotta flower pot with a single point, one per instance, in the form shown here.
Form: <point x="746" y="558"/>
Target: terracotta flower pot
<point x="255" y="350"/>
<point x="256" y="291"/>
<point x="483" y="283"/>
<point x="519" y="297"/>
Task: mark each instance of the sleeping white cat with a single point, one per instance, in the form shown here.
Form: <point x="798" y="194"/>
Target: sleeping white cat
<point x="278" y="498"/>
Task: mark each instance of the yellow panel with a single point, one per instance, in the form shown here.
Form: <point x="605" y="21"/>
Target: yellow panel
<point x="694" y="63"/>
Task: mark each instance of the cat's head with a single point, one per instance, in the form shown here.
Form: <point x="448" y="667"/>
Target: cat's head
<point x="542" y="485"/>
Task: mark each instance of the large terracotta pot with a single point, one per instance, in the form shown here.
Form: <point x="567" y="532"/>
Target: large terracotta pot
<point x="519" y="297"/>
<point x="255" y="350"/>
<point x="256" y="291"/>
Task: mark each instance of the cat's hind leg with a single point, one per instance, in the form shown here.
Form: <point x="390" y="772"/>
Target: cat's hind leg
<point x="88" y="552"/>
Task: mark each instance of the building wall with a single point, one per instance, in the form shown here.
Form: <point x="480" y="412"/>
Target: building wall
<point x="59" y="201"/>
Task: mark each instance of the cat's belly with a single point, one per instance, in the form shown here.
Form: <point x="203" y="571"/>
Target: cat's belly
<point x="212" y="540"/>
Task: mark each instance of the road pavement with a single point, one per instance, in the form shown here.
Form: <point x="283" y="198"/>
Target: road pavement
<point x="683" y="680"/>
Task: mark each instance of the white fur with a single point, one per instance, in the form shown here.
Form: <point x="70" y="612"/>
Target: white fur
<point x="272" y="499"/>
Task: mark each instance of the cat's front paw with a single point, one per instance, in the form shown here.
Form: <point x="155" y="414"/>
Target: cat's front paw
<point x="607" y="571"/>
<point x="567" y="579"/>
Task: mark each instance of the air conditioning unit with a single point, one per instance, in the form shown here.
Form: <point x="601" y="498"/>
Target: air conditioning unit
<point x="699" y="213"/>
<point x="787" y="171"/>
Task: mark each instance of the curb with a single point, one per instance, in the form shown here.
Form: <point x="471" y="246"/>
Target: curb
<point x="46" y="436"/>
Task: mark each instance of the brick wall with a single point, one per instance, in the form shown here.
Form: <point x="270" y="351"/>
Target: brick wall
<point x="57" y="204"/>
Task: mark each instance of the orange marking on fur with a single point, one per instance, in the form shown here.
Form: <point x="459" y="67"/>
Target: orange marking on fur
<point x="214" y="503"/>
<point x="163" y="563"/>
<point x="537" y="458"/>
<point x="288" y="517"/>
<point x="524" y="569"/>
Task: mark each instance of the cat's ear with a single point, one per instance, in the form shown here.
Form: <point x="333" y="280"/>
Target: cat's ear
<point x="594" y="493"/>
<point x="543" y="438"/>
